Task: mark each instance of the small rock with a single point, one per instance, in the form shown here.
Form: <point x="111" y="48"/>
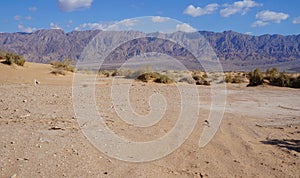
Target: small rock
<point x="24" y="116"/>
<point x="24" y="101"/>
<point x="35" y="82"/>
<point x="236" y="161"/>
<point x="13" y="176"/>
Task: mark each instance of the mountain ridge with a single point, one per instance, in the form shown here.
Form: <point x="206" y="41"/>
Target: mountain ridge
<point x="234" y="50"/>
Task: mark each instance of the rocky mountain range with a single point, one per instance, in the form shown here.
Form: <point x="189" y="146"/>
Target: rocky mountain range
<point x="235" y="51"/>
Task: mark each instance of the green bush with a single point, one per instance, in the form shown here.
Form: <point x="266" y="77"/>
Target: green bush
<point x="255" y="78"/>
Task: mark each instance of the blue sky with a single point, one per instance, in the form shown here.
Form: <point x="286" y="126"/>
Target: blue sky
<point x="255" y="17"/>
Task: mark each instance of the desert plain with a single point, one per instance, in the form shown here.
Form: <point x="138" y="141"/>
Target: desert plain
<point x="259" y="135"/>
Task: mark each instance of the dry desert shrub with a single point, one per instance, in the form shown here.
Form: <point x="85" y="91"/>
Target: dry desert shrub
<point x="188" y="80"/>
<point x="122" y="72"/>
<point x="164" y="79"/>
<point x="12" y="58"/>
<point x="105" y="73"/>
<point x="201" y="79"/>
<point x="155" y="77"/>
<point x="65" y="65"/>
<point x="58" y="72"/>
<point x="282" y="79"/>
<point x="61" y="67"/>
<point x="229" y="78"/>
<point x="255" y="78"/>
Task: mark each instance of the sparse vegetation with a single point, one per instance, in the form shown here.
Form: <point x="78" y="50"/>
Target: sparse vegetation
<point x="60" y="67"/>
<point x="122" y="72"/>
<point x="255" y="78"/>
<point x="188" y="80"/>
<point x="105" y="73"/>
<point x="201" y="79"/>
<point x="164" y="79"/>
<point x="12" y="58"/>
<point x="273" y="77"/>
<point x="229" y="78"/>
<point x="155" y="77"/>
<point x="58" y="72"/>
<point x="135" y="74"/>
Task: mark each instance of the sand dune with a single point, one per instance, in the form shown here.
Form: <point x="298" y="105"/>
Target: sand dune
<point x="40" y="136"/>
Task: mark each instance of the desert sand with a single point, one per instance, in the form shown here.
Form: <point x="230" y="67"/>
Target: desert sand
<point x="40" y="137"/>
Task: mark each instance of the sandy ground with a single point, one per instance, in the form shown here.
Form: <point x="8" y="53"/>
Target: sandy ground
<point x="40" y="136"/>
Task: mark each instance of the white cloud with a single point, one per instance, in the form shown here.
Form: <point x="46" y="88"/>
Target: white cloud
<point x="32" y="9"/>
<point x="69" y="23"/>
<point x="270" y="16"/>
<point x="259" y="23"/>
<point x="128" y="22"/>
<point x="241" y="7"/>
<point x="26" y="29"/>
<point x="54" y="26"/>
<point x="184" y="27"/>
<point x="159" y="19"/>
<point x="17" y="17"/>
<point x="266" y="17"/>
<point x="296" y="20"/>
<point x="28" y="18"/>
<point x="198" y="11"/>
<point x="71" y="5"/>
<point x="248" y="33"/>
<point x="91" y="26"/>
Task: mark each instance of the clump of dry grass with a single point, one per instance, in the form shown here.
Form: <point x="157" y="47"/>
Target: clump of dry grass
<point x="201" y="79"/>
<point x="61" y="67"/>
<point x="188" y="80"/>
<point x="105" y="73"/>
<point x="12" y="58"/>
<point x="58" y="72"/>
<point x="122" y="72"/>
<point x="229" y="78"/>
<point x="155" y="77"/>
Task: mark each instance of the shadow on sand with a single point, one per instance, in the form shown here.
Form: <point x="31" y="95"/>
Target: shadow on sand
<point x="289" y="144"/>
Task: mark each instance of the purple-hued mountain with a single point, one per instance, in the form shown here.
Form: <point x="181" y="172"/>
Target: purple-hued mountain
<point x="235" y="51"/>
